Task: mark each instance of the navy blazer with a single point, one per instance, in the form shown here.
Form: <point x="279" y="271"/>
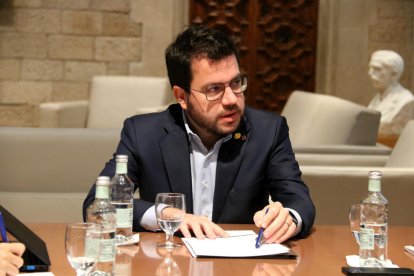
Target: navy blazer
<point x="256" y="162"/>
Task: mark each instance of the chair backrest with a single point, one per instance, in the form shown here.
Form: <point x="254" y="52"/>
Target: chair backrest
<point x="114" y="98"/>
<point x="402" y="155"/>
<point x="317" y="119"/>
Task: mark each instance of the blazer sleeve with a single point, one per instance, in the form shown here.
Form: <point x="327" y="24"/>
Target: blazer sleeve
<point x="285" y="182"/>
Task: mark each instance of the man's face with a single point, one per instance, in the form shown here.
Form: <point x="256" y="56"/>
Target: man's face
<point x="381" y="75"/>
<point x="214" y="118"/>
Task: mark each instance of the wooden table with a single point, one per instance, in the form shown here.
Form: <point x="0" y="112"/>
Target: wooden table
<point x="322" y="253"/>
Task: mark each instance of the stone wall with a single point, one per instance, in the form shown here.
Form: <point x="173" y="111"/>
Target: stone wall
<point x="349" y="32"/>
<point x="50" y="49"/>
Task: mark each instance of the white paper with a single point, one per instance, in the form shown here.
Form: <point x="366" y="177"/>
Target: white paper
<point x="37" y="273"/>
<point x="353" y="260"/>
<point x="409" y="249"/>
<point x="238" y="244"/>
<point x="133" y="240"/>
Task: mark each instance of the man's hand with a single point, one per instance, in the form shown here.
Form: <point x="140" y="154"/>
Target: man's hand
<point x="10" y="258"/>
<point x="278" y="223"/>
<point x="201" y="226"/>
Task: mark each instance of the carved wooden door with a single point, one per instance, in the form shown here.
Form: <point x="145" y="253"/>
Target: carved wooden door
<point x="277" y="42"/>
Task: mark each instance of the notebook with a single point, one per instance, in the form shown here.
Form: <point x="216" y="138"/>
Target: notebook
<point x="239" y="244"/>
<point x="36" y="257"/>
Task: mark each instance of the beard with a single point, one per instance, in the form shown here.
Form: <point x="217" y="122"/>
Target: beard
<point x="212" y="125"/>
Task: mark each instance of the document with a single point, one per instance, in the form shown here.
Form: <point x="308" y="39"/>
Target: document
<point x="239" y="244"/>
<point x="409" y="249"/>
<point x="37" y="273"/>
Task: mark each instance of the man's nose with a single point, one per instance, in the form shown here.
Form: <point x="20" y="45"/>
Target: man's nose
<point x="229" y="98"/>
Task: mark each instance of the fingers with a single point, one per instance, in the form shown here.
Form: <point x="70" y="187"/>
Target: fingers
<point x="10" y="257"/>
<point x="202" y="227"/>
<point x="278" y="223"/>
<point x="17" y="248"/>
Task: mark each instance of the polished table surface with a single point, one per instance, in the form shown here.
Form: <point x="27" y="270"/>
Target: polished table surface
<point x="322" y="253"/>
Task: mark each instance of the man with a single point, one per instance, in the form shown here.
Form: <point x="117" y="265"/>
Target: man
<point x="11" y="258"/>
<point x="385" y="69"/>
<point x="224" y="157"/>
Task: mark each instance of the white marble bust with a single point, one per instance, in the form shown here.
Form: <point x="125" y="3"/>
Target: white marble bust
<point x="385" y="69"/>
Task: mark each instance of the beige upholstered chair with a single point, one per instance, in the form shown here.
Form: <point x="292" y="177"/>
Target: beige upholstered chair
<point x="47" y="172"/>
<point x="112" y="100"/>
<point x="327" y="130"/>
<point x="317" y="119"/>
<point x="333" y="188"/>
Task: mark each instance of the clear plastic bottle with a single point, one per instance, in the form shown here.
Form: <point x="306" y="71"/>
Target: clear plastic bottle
<point x="374" y="224"/>
<point x="103" y="213"/>
<point x="122" y="199"/>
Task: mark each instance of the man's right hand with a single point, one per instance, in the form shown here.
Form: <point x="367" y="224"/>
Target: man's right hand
<point x="201" y="226"/>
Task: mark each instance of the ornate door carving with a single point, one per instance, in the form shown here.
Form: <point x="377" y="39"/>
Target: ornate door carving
<point x="277" y="41"/>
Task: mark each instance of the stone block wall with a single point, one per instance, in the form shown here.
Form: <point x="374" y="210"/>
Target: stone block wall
<point x="50" y="49"/>
<point x="349" y="32"/>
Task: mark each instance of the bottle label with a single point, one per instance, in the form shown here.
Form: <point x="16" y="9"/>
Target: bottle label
<point x="92" y="248"/>
<point x="374" y="185"/>
<point x="103" y="248"/>
<point x="124" y="217"/>
<point x="107" y="253"/>
<point x="102" y="192"/>
<point x="366" y="238"/>
<point x="121" y="168"/>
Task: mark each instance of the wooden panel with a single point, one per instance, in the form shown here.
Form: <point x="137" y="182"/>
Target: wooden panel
<point x="277" y="41"/>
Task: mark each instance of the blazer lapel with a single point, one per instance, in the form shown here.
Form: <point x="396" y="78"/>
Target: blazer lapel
<point x="175" y="152"/>
<point x="228" y="165"/>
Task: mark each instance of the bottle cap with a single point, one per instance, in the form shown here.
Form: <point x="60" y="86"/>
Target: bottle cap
<point x="374" y="181"/>
<point x="102" y="180"/>
<point x="375" y="175"/>
<point x="122" y="158"/>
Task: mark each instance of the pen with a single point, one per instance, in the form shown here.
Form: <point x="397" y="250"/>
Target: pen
<point x="260" y="235"/>
<point x="3" y="229"/>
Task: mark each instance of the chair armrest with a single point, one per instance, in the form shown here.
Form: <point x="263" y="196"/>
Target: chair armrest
<point x="334" y="189"/>
<point x="151" y="109"/>
<point x="378" y="149"/>
<point x="321" y="159"/>
<point x="63" y="114"/>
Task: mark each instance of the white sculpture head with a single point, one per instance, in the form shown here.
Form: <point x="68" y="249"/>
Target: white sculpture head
<point x="385" y="69"/>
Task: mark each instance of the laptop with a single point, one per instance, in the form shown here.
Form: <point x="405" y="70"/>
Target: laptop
<point x="36" y="257"/>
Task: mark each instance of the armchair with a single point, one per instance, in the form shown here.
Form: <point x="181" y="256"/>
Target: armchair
<point x="47" y="172"/>
<point x="318" y="119"/>
<point x="327" y="130"/>
<point x="112" y="99"/>
<point x="334" y="189"/>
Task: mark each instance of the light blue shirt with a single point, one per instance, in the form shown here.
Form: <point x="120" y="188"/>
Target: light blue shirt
<point x="203" y="176"/>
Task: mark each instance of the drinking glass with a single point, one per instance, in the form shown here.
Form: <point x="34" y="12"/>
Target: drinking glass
<point x="82" y="244"/>
<point x="355" y="219"/>
<point x="170" y="211"/>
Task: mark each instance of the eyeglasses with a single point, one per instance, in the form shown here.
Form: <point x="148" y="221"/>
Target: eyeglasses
<point x="215" y="91"/>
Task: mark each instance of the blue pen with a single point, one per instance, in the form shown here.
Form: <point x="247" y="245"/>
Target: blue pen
<point x="3" y="229"/>
<point x="259" y="237"/>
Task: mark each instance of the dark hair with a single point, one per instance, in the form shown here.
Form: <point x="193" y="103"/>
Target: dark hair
<point x="196" y="42"/>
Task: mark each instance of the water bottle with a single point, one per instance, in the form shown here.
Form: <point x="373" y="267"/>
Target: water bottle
<point x="122" y="199"/>
<point x="374" y="224"/>
<point x="103" y="213"/>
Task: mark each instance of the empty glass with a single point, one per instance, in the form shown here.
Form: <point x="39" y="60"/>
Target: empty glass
<point x="355" y="219"/>
<point x="82" y="246"/>
<point x="170" y="211"/>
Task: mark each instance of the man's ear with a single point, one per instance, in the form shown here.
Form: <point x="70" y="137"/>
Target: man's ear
<point x="181" y="96"/>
